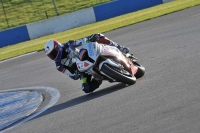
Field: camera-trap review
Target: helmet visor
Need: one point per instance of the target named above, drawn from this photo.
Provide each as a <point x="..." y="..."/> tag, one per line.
<point x="53" y="54"/>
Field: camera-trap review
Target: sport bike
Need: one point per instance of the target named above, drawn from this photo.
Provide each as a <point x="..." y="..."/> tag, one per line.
<point x="106" y="62"/>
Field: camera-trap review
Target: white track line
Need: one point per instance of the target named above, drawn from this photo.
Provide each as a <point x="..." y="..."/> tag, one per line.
<point x="17" y="57"/>
<point x="55" y="95"/>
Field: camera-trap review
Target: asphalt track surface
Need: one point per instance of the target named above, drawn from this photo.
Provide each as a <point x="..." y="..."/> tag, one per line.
<point x="165" y="100"/>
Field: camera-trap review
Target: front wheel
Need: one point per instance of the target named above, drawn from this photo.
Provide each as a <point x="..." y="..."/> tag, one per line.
<point x="141" y="70"/>
<point x="117" y="75"/>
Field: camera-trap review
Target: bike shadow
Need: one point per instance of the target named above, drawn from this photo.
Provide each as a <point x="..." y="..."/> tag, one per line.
<point x="82" y="99"/>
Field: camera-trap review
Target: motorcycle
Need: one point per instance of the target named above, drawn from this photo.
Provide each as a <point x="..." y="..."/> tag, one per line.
<point x="106" y="62"/>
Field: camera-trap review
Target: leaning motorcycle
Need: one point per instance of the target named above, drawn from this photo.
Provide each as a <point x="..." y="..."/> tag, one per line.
<point x="106" y="62"/>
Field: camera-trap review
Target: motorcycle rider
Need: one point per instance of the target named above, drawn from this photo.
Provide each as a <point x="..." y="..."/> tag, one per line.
<point x="62" y="55"/>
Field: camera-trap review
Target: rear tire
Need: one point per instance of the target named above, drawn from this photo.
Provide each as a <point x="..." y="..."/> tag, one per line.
<point x="119" y="77"/>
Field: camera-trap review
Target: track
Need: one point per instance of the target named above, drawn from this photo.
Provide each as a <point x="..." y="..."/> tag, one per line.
<point x="165" y="100"/>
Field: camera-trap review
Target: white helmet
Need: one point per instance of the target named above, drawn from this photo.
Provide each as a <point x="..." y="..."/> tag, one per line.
<point x="51" y="49"/>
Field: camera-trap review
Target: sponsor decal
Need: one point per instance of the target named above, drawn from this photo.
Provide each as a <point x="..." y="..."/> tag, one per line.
<point x="105" y="51"/>
<point x="82" y="65"/>
<point x="79" y="65"/>
<point x="85" y="64"/>
<point x="90" y="50"/>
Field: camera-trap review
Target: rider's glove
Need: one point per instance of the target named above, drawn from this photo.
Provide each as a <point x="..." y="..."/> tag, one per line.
<point x="77" y="74"/>
<point x="93" y="37"/>
<point x="70" y="42"/>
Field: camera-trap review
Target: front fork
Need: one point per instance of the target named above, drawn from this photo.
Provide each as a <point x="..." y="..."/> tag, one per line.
<point x="131" y="57"/>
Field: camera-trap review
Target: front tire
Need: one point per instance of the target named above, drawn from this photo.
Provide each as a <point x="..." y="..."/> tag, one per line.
<point x="141" y="70"/>
<point x="108" y="70"/>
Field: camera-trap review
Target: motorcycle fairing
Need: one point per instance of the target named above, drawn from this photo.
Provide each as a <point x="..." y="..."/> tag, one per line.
<point x="95" y="51"/>
<point x="83" y="65"/>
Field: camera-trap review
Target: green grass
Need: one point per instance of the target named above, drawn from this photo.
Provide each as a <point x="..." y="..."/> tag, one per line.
<point x="19" y="12"/>
<point x="104" y="26"/>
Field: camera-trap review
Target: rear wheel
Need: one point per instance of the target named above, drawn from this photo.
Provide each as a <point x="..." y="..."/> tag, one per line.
<point x="118" y="74"/>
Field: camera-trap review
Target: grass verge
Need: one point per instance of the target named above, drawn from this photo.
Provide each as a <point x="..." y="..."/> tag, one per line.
<point x="20" y="12"/>
<point x="103" y="26"/>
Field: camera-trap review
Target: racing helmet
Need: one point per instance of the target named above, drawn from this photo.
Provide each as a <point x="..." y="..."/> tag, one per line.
<point x="51" y="49"/>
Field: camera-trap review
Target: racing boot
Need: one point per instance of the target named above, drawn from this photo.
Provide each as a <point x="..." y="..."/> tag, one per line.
<point x="89" y="85"/>
<point x="123" y="49"/>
